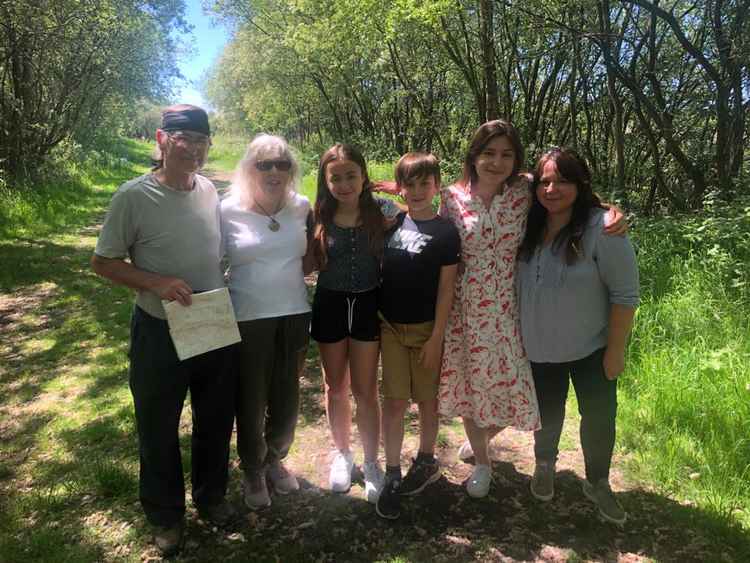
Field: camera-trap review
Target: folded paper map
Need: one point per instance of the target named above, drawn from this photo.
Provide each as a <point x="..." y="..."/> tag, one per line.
<point x="207" y="324"/>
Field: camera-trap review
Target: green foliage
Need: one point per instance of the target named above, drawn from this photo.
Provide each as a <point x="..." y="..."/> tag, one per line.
<point x="718" y="237"/>
<point x="78" y="69"/>
<point x="660" y="112"/>
<point x="142" y="120"/>
<point x="685" y="410"/>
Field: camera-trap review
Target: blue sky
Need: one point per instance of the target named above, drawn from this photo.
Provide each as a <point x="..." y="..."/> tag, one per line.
<point x="206" y="43"/>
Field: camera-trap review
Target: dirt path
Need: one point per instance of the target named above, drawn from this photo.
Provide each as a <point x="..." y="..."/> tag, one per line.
<point x="441" y="524"/>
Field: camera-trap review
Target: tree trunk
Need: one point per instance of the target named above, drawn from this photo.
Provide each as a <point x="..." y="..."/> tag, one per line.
<point x="486" y="8"/>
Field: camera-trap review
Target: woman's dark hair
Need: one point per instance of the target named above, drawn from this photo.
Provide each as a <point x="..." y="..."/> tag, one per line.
<point x="370" y="214"/>
<point x="481" y="138"/>
<point x="573" y="168"/>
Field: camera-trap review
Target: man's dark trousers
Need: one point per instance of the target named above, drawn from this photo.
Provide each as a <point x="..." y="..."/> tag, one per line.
<point x="159" y="382"/>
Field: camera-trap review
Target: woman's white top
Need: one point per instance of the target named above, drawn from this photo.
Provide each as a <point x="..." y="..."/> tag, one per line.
<point x="265" y="266"/>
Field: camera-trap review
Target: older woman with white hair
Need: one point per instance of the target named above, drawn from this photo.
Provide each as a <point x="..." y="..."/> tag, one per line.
<point x="265" y="230"/>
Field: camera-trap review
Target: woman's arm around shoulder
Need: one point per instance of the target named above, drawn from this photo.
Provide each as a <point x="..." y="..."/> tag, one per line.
<point x="615" y="222"/>
<point x="390" y="210"/>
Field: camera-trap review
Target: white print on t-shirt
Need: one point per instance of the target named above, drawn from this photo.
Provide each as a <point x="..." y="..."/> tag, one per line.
<point x="411" y="241"/>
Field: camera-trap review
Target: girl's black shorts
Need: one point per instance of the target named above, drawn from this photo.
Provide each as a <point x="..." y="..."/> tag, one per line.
<point x="340" y="314"/>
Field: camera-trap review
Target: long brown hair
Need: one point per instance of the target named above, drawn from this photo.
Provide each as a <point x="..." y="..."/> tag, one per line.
<point x="572" y="168"/>
<point x="481" y="138"/>
<point x="370" y="215"/>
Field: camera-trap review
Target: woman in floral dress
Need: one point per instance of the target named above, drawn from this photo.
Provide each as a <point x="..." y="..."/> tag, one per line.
<point x="485" y="376"/>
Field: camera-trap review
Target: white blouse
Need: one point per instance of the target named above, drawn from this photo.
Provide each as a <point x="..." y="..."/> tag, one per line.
<point x="265" y="266"/>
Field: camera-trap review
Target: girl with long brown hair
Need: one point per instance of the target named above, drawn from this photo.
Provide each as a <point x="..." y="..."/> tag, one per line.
<point x="348" y="246"/>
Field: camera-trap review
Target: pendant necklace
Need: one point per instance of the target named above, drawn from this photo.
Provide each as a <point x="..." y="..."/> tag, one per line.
<point x="273" y="224"/>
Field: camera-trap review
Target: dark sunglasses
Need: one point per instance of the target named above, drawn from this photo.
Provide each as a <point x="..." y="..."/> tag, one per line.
<point x="266" y="165"/>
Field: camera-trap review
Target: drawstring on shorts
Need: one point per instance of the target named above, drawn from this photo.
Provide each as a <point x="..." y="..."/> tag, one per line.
<point x="350" y="311"/>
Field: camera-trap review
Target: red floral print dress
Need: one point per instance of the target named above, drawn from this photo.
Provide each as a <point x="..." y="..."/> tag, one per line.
<point x="485" y="374"/>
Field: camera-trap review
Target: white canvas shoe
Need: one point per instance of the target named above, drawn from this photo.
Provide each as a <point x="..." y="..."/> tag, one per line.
<point x="478" y="484"/>
<point x="340" y="477"/>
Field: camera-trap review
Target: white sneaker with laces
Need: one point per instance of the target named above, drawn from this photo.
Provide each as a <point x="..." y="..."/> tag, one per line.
<point x="478" y="484"/>
<point x="373" y="480"/>
<point x="340" y="477"/>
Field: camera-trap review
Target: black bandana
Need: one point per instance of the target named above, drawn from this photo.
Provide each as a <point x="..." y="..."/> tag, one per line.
<point x="191" y="119"/>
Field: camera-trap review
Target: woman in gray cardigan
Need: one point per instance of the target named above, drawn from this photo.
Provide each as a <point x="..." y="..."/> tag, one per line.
<point x="577" y="294"/>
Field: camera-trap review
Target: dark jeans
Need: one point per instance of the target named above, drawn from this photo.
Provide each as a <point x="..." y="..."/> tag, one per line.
<point x="271" y="358"/>
<point x="159" y="382"/>
<point x="597" y="404"/>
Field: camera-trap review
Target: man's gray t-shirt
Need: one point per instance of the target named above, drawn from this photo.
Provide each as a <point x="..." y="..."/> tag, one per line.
<point x="167" y="232"/>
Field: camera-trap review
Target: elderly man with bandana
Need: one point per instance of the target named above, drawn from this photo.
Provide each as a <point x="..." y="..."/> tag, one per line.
<point x="167" y="224"/>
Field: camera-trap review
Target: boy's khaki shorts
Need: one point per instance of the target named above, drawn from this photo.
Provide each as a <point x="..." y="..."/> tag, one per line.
<point x="404" y="377"/>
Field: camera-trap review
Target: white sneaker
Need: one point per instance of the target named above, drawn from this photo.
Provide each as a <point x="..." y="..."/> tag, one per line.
<point x="465" y="451"/>
<point x="478" y="484"/>
<point x="340" y="478"/>
<point x="373" y="480"/>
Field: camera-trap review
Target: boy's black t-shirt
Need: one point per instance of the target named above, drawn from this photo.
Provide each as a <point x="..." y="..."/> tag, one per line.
<point x="415" y="251"/>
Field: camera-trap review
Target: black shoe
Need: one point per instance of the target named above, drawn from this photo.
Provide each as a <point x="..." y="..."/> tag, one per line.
<point x="389" y="501"/>
<point x="169" y="538"/>
<point x="221" y="514"/>
<point x="420" y="475"/>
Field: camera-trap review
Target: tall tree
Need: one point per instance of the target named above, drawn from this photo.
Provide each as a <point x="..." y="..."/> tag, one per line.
<point x="63" y="61"/>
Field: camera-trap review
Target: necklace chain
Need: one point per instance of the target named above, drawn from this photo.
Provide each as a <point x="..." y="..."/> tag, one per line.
<point x="273" y="224"/>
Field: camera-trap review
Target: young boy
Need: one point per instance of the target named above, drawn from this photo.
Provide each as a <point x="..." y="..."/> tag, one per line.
<point x="421" y="258"/>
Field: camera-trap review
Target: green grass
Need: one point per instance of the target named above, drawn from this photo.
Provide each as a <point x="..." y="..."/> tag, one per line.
<point x="63" y="379"/>
<point x="226" y="152"/>
<point x="71" y="197"/>
<point x="685" y="398"/>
